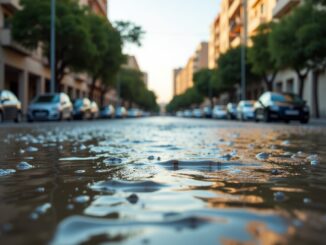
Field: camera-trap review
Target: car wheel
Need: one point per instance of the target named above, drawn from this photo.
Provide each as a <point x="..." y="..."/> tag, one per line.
<point x="19" y="117"/>
<point x="266" y="116"/>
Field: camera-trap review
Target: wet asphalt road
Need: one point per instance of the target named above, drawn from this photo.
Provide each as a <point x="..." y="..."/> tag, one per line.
<point x="162" y="181"/>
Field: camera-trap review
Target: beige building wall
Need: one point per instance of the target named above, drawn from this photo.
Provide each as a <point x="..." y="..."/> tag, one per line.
<point x="183" y="77"/>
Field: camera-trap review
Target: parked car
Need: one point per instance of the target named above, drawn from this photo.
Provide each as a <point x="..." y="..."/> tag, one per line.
<point x="231" y="109"/>
<point x="120" y="112"/>
<point x="273" y="106"/>
<point x="95" y="112"/>
<point x="208" y="112"/>
<point x="133" y="113"/>
<point x="245" y="110"/>
<point x="187" y="113"/>
<point x="82" y="109"/>
<point x="107" y="111"/>
<point x="55" y="106"/>
<point x="197" y="113"/>
<point x="179" y="114"/>
<point x="10" y="107"/>
<point x="219" y="112"/>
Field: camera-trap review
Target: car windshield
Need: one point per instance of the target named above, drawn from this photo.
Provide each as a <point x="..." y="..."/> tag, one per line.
<point x="248" y="104"/>
<point x="292" y="98"/>
<point x="47" y="99"/>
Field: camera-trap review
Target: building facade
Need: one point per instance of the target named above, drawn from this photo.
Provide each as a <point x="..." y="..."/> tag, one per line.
<point x="26" y="73"/>
<point x="183" y="77"/>
<point x="227" y="32"/>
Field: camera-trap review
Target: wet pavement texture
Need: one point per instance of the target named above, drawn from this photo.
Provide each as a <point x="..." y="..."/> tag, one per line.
<point x="162" y="181"/>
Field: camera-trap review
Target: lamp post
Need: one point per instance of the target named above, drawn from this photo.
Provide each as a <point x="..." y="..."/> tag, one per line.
<point x="53" y="46"/>
<point x="243" y="49"/>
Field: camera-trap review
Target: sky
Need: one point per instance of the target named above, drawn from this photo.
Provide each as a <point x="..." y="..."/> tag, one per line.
<point x="174" y="28"/>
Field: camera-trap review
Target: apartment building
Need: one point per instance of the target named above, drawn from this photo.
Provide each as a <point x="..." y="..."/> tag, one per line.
<point x="227" y="30"/>
<point x="132" y="63"/>
<point x="183" y="77"/>
<point x="26" y="72"/>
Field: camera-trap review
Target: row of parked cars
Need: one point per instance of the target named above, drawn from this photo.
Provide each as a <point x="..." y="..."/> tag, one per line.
<point x="58" y="106"/>
<point x="271" y="106"/>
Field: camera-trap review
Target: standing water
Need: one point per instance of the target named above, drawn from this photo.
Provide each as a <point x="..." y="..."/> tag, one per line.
<point x="162" y="181"/>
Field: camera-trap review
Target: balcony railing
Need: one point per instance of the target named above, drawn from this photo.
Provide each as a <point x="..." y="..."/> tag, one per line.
<point x="11" y="4"/>
<point x="282" y="7"/>
<point x="6" y="40"/>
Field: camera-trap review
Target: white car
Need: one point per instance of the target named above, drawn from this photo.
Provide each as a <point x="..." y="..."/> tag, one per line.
<point x="94" y="110"/>
<point x="56" y="106"/>
<point x="120" y="112"/>
<point x="197" y="113"/>
<point x="187" y="113"/>
<point x="246" y="110"/>
<point x="107" y="111"/>
<point x="219" y="112"/>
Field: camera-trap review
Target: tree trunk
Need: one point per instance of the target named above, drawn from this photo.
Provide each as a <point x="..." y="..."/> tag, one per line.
<point x="92" y="90"/>
<point x="315" y="93"/>
<point x="301" y="78"/>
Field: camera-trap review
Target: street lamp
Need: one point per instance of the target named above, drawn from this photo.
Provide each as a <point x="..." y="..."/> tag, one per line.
<point x="243" y="49"/>
<point x="53" y="46"/>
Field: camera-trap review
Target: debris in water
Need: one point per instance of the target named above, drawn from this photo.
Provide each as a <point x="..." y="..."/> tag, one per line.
<point x="262" y="156"/>
<point x="133" y="198"/>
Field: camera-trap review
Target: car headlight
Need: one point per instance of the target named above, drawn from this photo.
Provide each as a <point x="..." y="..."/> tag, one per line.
<point x="274" y="108"/>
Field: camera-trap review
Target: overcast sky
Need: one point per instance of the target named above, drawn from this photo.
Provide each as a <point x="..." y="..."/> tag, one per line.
<point x="173" y="28"/>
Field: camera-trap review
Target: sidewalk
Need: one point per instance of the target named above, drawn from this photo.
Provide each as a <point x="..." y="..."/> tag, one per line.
<point x="318" y="121"/>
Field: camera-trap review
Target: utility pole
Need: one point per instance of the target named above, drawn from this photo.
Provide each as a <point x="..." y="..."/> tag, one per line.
<point x="53" y="45"/>
<point x="243" y="49"/>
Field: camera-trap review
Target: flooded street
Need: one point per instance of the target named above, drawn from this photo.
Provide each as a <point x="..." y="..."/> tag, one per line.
<point x="162" y="181"/>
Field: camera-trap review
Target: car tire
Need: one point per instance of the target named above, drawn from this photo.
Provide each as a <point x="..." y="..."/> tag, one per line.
<point x="266" y="116"/>
<point x="19" y="117"/>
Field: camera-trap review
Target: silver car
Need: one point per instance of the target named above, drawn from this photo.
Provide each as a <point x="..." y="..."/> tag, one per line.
<point x="245" y="110"/>
<point x="56" y="106"/>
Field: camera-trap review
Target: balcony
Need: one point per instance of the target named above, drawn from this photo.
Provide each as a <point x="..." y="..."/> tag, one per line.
<point x="282" y="7"/>
<point x="12" y="5"/>
<point x="235" y="42"/>
<point x="234" y="7"/>
<point x="6" y="40"/>
<point x="235" y="26"/>
<point x="255" y="23"/>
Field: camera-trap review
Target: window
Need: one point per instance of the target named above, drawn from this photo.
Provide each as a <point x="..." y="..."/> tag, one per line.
<point x="290" y="86"/>
<point x="262" y="8"/>
<point x="279" y="87"/>
<point x="6" y="21"/>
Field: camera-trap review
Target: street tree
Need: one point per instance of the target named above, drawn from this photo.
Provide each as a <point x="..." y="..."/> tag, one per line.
<point x="259" y="56"/>
<point x="130" y="32"/>
<point x="205" y="84"/>
<point x="31" y="27"/>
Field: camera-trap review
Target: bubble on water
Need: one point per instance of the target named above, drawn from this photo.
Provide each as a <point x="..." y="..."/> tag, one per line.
<point x="225" y="157"/>
<point x="275" y="172"/>
<point x="82" y="199"/>
<point x="306" y="200"/>
<point x="70" y="206"/>
<point x="80" y="171"/>
<point x="42" y="209"/>
<point x="279" y="196"/>
<point x="5" y="172"/>
<point x="312" y="157"/>
<point x="31" y="149"/>
<point x="150" y="158"/>
<point x="286" y="142"/>
<point x="262" y="156"/>
<point x="133" y="198"/>
<point x="40" y="189"/>
<point x="314" y="162"/>
<point x="24" y="166"/>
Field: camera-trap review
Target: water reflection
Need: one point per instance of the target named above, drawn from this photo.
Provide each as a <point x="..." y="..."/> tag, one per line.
<point x="160" y="181"/>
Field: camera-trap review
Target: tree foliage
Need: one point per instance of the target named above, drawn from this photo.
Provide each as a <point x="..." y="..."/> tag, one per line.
<point x="189" y="98"/>
<point x="31" y="26"/>
<point x="133" y="89"/>
<point x="259" y="56"/>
